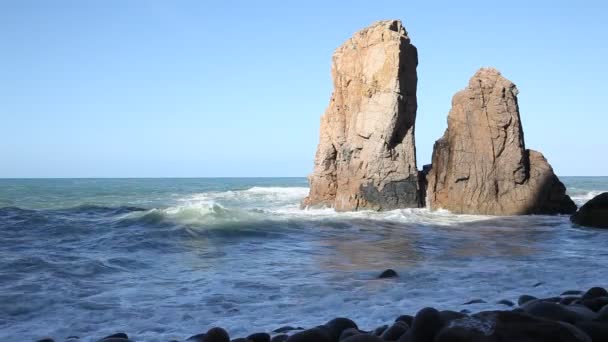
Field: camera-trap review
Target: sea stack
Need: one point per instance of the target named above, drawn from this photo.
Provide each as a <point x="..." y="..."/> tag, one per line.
<point x="366" y="158"/>
<point x="481" y="164"/>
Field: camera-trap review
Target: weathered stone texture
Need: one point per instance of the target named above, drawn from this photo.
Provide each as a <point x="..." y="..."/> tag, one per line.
<point x="366" y="158"/>
<point x="481" y="165"/>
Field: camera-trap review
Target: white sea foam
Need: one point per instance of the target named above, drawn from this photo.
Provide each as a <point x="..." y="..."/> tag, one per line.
<point x="283" y="203"/>
<point x="581" y="197"/>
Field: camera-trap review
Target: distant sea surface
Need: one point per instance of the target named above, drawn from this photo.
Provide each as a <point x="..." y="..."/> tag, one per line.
<point x="168" y="258"/>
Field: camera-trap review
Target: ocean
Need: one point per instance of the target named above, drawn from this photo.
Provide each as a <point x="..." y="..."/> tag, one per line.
<point x="165" y="259"/>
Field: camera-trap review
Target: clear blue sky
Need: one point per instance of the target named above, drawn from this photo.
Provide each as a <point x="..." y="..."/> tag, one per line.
<point x="236" y="88"/>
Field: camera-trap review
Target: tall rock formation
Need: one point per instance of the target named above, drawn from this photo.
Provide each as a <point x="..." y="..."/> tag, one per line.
<point x="481" y="165"/>
<point x="366" y="158"/>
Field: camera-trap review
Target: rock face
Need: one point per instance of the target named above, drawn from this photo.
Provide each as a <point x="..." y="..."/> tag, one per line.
<point x="593" y="213"/>
<point x="481" y="165"/>
<point x="366" y="158"/>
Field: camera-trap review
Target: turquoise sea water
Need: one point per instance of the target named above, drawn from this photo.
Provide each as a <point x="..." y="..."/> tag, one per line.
<point x="168" y="258"/>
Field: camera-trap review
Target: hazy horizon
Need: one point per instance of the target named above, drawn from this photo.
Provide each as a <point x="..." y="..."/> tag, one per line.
<point x="195" y="90"/>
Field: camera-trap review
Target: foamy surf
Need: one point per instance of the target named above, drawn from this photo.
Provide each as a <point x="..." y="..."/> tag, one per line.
<point x="283" y="203"/>
<point x="581" y="197"/>
<point x="195" y="253"/>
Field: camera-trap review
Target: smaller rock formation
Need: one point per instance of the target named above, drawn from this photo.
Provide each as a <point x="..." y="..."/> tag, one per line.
<point x="593" y="213"/>
<point x="366" y="158"/>
<point x="481" y="165"/>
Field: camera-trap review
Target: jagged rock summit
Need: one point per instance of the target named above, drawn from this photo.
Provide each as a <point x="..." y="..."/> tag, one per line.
<point x="481" y="164"/>
<point x="366" y="158"/>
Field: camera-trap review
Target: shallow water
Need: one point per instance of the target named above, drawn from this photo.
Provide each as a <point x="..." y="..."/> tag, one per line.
<point x="168" y="258"/>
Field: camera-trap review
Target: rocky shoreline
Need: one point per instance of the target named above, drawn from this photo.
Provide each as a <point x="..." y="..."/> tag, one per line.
<point x="572" y="316"/>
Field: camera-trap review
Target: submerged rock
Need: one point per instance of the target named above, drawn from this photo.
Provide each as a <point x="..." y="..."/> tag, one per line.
<point x="389" y="273"/>
<point x="366" y="158"/>
<point x="593" y="213"/>
<point x="481" y="164"/>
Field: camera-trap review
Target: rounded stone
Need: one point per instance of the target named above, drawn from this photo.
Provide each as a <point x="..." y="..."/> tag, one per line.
<point x="259" y="337"/>
<point x="337" y="325"/>
<point x="389" y="273"/>
<point x="593" y="213"/>
<point x="317" y="334"/>
<point x="595" y="292"/>
<point x="363" y="338"/>
<point x="279" y="338"/>
<point x="524" y="299"/>
<point x="405" y="318"/>
<point x="395" y="331"/>
<point x="346" y="333"/>
<point x="216" y="335"/>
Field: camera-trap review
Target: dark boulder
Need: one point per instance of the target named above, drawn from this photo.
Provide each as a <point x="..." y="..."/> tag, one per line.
<point x="595" y="292"/>
<point x="216" y="335"/>
<point x="552" y="299"/>
<point x="584" y="313"/>
<point x="569" y="300"/>
<point x="524" y="299"/>
<point x="259" y="337"/>
<point x="572" y="293"/>
<point x="602" y="315"/>
<point x="115" y="337"/>
<point x="337" y="325"/>
<point x="363" y="338"/>
<point x="448" y="315"/>
<point x="379" y="330"/>
<point x="597" y="331"/>
<point x="346" y="333"/>
<point x="595" y="304"/>
<point x="508" y="326"/>
<point x="505" y="302"/>
<point x="459" y="334"/>
<point x="388" y="274"/>
<point x="395" y="331"/>
<point x="551" y="311"/>
<point x="279" y="338"/>
<point x="317" y="334"/>
<point x="425" y="326"/>
<point x="406" y="319"/>
<point x="286" y="328"/>
<point x="593" y="213"/>
<point x="196" y="338"/>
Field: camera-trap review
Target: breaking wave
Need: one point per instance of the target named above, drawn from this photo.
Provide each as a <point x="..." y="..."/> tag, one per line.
<point x="580" y="197"/>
